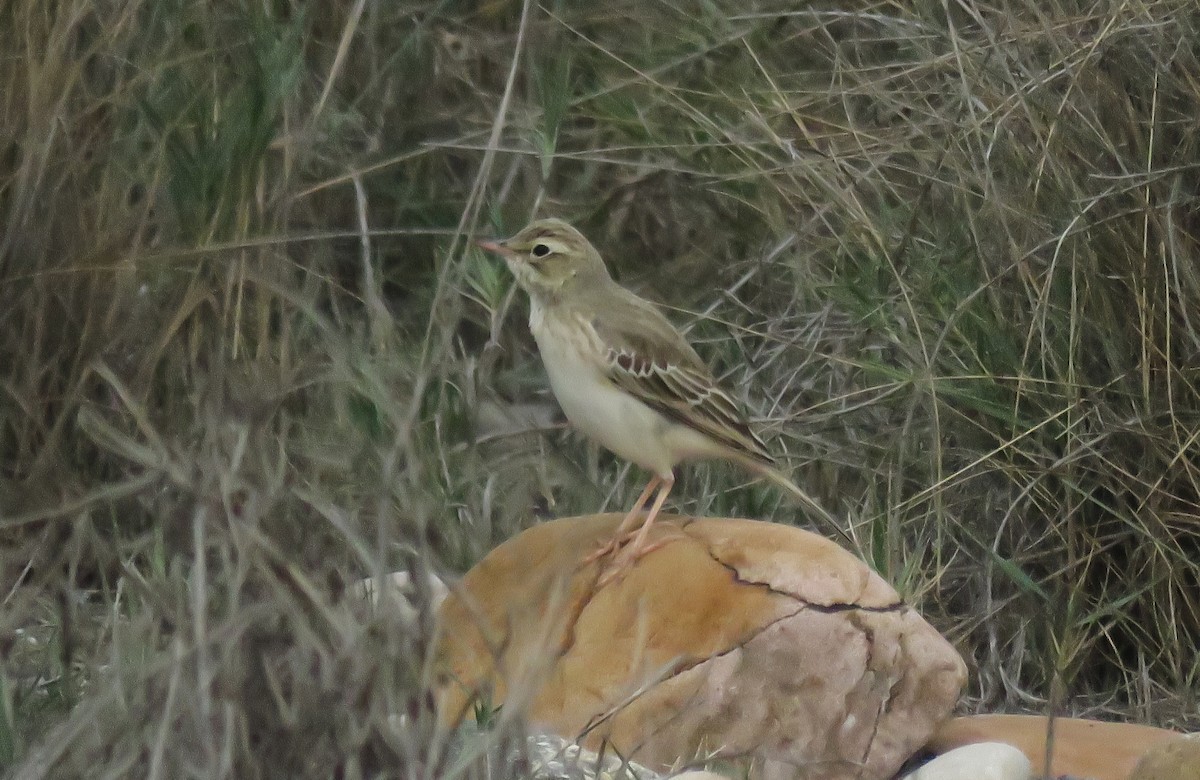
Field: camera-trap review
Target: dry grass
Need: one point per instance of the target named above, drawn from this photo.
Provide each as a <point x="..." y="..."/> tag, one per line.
<point x="247" y="357"/>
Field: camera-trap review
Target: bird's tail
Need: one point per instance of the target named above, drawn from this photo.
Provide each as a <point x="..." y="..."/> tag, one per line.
<point x="798" y="493"/>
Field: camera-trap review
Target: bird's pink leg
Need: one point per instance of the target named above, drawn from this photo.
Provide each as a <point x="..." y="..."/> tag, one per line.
<point x="638" y="547"/>
<point x="626" y="526"/>
<point x="634" y="550"/>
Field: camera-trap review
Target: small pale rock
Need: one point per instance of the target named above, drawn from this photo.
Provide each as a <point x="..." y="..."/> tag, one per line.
<point x="736" y="638"/>
<point x="1175" y="759"/>
<point x="1081" y="748"/>
<point x="553" y="758"/>
<point x="981" y="761"/>
<point x="400" y="586"/>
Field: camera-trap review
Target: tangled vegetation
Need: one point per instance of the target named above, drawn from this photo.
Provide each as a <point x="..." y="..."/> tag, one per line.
<point x="249" y="356"/>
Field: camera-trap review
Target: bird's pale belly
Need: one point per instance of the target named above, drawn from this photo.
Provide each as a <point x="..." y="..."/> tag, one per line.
<point x="613" y="418"/>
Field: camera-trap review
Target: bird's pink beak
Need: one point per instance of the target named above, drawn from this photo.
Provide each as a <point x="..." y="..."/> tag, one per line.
<point x="496" y="247"/>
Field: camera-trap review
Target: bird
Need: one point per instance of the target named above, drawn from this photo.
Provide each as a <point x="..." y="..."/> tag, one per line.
<point x="625" y="377"/>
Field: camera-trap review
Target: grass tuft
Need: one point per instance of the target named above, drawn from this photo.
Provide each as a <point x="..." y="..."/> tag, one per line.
<point x="947" y="253"/>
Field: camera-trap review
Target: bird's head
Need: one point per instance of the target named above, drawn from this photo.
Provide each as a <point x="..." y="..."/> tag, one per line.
<point x="549" y="256"/>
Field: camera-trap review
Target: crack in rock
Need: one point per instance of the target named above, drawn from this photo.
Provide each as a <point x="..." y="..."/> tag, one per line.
<point x="824" y="608"/>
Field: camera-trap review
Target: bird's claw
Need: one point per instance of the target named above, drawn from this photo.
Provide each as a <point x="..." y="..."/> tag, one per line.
<point x="627" y="557"/>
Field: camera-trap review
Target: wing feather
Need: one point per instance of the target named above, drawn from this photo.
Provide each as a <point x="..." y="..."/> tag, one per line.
<point x="649" y="359"/>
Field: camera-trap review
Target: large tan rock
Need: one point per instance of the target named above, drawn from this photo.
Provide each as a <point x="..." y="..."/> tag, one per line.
<point x="736" y="638"/>
<point x="1080" y="748"/>
<point x="1173" y="759"/>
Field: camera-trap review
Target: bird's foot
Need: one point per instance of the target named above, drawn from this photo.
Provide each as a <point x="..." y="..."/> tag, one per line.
<point x="613" y="545"/>
<point x="630" y="555"/>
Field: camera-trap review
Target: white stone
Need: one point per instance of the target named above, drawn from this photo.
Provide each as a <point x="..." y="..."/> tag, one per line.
<point x="399" y="585"/>
<point x="981" y="761"/>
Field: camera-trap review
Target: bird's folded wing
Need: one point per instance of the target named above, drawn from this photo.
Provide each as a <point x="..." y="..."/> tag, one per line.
<point x="646" y="357"/>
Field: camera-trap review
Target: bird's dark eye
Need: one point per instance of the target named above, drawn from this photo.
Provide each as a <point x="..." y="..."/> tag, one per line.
<point x="540" y="250"/>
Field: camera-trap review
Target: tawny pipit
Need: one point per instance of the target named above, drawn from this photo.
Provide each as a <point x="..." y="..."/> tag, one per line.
<point x="623" y="375"/>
